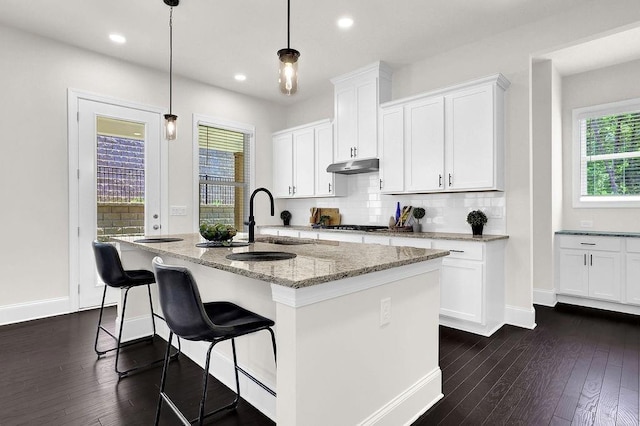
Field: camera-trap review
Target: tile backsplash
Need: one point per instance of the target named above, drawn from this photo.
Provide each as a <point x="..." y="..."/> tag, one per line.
<point x="364" y="205"/>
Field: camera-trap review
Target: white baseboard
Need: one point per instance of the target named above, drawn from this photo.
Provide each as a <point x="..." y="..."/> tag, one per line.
<point x="221" y="367"/>
<point x="544" y="297"/>
<point x="405" y="408"/>
<point x="21" y="312"/>
<point x="520" y="317"/>
<point x="599" y="304"/>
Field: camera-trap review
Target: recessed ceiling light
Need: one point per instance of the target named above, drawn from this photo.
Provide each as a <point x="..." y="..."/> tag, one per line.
<point x="240" y="77"/>
<point x="345" y="22"/>
<point x="137" y="134"/>
<point x="117" y="38"/>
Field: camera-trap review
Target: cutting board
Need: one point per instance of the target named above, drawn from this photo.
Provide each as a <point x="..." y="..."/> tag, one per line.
<point x="334" y="215"/>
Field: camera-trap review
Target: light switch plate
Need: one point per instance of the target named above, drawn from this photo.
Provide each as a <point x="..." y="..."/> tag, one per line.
<point x="178" y="211"/>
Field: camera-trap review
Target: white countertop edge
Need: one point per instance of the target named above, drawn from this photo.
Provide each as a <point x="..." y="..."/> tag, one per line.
<point x="299" y="297"/>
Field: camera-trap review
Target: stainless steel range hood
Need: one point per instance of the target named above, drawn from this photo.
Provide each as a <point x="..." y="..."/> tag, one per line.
<point x="353" y="167"/>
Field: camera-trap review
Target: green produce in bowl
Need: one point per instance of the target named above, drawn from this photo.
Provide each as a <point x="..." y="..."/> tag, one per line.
<point x="218" y="232"/>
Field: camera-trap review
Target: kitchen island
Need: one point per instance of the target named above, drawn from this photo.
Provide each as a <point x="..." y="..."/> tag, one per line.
<point x="356" y="325"/>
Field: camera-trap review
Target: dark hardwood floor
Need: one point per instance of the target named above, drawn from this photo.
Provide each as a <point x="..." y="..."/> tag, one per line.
<point x="579" y="366"/>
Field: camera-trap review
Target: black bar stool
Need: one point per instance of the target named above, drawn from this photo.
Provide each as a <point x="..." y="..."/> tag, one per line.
<point x="113" y="274"/>
<point x="213" y="322"/>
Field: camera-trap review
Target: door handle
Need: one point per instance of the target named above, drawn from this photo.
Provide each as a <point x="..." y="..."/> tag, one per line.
<point x="380" y="183"/>
<point x="355" y="151"/>
<point x="329" y="187"/>
<point x="439" y="181"/>
<point x="585" y="259"/>
<point x="590" y="260"/>
<point x="351" y="152"/>
<point x="156" y="227"/>
<point x="449" y="179"/>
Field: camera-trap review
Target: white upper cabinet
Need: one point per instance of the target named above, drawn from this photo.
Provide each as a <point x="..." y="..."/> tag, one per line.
<point x="283" y="165"/>
<point x="327" y="184"/>
<point x="392" y="150"/>
<point x="473" y="158"/>
<point x="303" y="162"/>
<point x="357" y="97"/>
<point x="424" y="151"/>
<point x="453" y="139"/>
<point x="300" y="159"/>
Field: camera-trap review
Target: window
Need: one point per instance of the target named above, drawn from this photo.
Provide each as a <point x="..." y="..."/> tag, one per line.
<point x="223" y="175"/>
<point x="607" y="138"/>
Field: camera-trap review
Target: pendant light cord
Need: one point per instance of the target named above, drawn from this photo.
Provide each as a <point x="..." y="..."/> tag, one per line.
<point x="288" y="23"/>
<point x="170" y="58"/>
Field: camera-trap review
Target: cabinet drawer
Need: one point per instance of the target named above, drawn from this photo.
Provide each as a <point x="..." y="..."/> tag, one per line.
<point x="590" y="243"/>
<point x="376" y="239"/>
<point x="461" y="249"/>
<point x="309" y="234"/>
<point x="633" y="245"/>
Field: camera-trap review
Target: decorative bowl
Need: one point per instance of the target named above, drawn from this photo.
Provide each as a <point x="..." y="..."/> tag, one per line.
<point x="218" y="232"/>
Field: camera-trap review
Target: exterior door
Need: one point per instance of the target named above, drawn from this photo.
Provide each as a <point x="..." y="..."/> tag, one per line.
<point x="118" y="183"/>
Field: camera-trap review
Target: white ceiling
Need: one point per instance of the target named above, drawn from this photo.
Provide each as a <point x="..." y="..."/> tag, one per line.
<point x="213" y="40"/>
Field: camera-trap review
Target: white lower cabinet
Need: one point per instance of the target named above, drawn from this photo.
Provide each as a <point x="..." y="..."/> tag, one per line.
<point x="462" y="291"/>
<point x="632" y="272"/>
<point x="589" y="267"/>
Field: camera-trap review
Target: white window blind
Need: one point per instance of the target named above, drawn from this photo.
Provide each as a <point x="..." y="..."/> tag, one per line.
<point x="609" y="160"/>
<point x="223" y="157"/>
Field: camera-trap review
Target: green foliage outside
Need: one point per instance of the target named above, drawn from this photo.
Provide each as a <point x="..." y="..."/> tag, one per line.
<point x="611" y="135"/>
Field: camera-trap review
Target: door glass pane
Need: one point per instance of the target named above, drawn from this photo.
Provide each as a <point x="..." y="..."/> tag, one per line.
<point x="120" y="177"/>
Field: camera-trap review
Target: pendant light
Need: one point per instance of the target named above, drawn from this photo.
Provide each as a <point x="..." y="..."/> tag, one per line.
<point x="170" y="120"/>
<point x="288" y="62"/>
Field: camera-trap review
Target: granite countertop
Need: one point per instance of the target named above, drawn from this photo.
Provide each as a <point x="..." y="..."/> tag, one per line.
<point x="425" y="235"/>
<point x="600" y="233"/>
<point x="317" y="261"/>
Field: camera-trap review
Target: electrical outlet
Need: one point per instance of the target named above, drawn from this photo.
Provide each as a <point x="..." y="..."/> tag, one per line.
<point x="385" y="311"/>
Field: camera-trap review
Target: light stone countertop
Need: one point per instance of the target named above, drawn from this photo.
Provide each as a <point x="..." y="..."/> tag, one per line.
<point x="424" y="235"/>
<point x="317" y="262"/>
<point x="600" y="233"/>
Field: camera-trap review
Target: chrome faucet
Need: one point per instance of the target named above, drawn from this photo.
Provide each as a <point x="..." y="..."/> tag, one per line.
<point x="252" y="222"/>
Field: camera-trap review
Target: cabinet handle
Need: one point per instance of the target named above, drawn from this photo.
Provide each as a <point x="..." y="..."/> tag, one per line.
<point x="449" y="179"/>
<point x="590" y="260"/>
<point x="456" y="251"/>
<point x="588" y="244"/>
<point x="351" y="152"/>
<point x="439" y="181"/>
<point x="585" y="259"/>
<point x="355" y="151"/>
<point x="294" y="190"/>
<point x="380" y="183"/>
<point x="329" y="187"/>
<point x="289" y="190"/>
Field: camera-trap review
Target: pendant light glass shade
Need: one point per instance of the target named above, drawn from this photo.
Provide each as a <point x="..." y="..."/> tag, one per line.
<point x="288" y="73"/>
<point x="171" y="120"/>
<point x="170" y="126"/>
<point x="288" y="70"/>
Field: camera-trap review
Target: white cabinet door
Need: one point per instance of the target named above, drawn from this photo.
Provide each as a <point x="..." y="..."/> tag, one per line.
<point x="367" y="119"/>
<point x="633" y="278"/>
<point x="303" y="163"/>
<point x="573" y="272"/>
<point x="470" y="144"/>
<point x="392" y="150"/>
<point x="325" y="182"/>
<point x="424" y="145"/>
<point x="604" y="275"/>
<point x="345" y="122"/>
<point x="283" y="165"/>
<point x="462" y="293"/>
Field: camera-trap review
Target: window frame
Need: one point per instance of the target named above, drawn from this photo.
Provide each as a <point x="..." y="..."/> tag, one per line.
<point x="579" y="114"/>
<point x="220" y="123"/>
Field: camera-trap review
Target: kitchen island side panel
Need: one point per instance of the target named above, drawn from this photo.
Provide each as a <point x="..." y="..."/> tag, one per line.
<point x="338" y="365"/>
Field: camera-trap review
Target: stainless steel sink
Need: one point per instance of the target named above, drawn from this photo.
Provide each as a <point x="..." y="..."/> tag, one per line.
<point x="261" y="256"/>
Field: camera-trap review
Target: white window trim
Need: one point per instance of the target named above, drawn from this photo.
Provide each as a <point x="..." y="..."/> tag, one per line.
<point x="220" y="123"/>
<point x="590" y="112"/>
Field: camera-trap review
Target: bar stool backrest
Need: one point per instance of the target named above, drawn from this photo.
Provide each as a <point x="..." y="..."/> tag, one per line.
<point x="181" y="303"/>
<point x="109" y="265"/>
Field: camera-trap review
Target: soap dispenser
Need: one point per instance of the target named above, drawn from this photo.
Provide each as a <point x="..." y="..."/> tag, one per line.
<point x="397" y="213"/>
